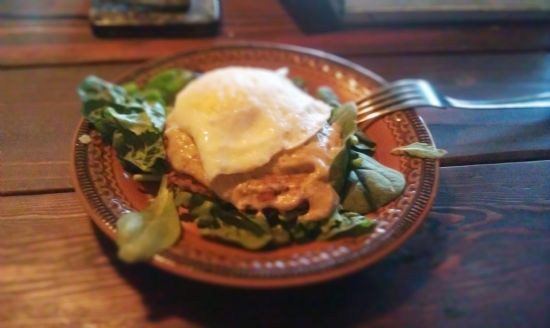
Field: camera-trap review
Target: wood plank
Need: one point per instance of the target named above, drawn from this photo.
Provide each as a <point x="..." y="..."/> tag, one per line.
<point x="470" y="137"/>
<point x="479" y="136"/>
<point x="35" y="147"/>
<point x="43" y="8"/>
<point x="71" y="40"/>
<point x="70" y="48"/>
<point x="32" y="177"/>
<point x="482" y="253"/>
<point x="25" y="42"/>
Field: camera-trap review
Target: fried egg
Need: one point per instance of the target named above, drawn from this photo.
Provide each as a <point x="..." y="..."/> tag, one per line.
<point x="241" y="117"/>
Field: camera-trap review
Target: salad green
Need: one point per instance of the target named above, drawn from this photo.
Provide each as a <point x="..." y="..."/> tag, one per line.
<point x="131" y="124"/>
<point x="140" y="235"/>
<point x="132" y="119"/>
<point x="419" y="150"/>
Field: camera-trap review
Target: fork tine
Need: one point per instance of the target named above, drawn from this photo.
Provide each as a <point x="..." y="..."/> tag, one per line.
<point x="390" y="101"/>
<point x="389" y="88"/>
<point x="389" y="94"/>
<point x="403" y="90"/>
<point x="410" y="104"/>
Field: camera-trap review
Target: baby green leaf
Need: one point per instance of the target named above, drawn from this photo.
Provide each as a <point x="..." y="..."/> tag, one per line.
<point x="345" y="224"/>
<point x="345" y="116"/>
<point x="420" y="150"/>
<point x="327" y="95"/>
<point x="339" y="170"/>
<point x="140" y="235"/>
<point x="378" y="183"/>
<point x="169" y="82"/>
<point x="234" y="235"/>
<point x="133" y="125"/>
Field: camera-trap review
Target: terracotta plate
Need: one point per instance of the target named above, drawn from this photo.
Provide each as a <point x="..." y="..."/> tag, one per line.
<point x="107" y="192"/>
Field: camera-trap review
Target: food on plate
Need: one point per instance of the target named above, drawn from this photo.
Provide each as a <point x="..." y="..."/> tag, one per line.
<point x="419" y="150"/>
<point x="255" y="140"/>
<point x="244" y="153"/>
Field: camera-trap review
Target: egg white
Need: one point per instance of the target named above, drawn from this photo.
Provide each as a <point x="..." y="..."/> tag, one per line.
<point x="240" y="117"/>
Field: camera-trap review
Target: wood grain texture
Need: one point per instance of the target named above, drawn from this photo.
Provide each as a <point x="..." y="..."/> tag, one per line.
<point x="43" y="8"/>
<point x="70" y="40"/>
<point x="57" y="32"/>
<point x="480" y="260"/>
<point x="469" y="136"/>
<point x="479" y="136"/>
<point x="36" y="143"/>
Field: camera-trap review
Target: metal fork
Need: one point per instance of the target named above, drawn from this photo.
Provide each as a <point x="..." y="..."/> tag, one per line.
<point x="413" y="93"/>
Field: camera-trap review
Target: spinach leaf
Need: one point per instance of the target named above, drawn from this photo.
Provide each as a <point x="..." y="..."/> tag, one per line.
<point x="356" y="197"/>
<point x="168" y="83"/>
<point x="140" y="235"/>
<point x="345" y="116"/>
<point x="420" y="150"/>
<point x="363" y="144"/>
<point x="303" y="232"/>
<point x="133" y="125"/>
<point x="327" y="95"/>
<point x="232" y="234"/>
<point x="250" y="233"/>
<point x="339" y="170"/>
<point x="298" y="82"/>
<point x="345" y="224"/>
<point x="372" y="185"/>
<point x="218" y="220"/>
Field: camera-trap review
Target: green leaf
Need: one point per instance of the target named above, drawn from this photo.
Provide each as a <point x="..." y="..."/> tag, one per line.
<point x="345" y="224"/>
<point x="233" y="227"/>
<point x="257" y="225"/>
<point x="131" y="88"/>
<point x="140" y="235"/>
<point x="304" y="232"/>
<point x="378" y="184"/>
<point x="345" y="116"/>
<point x="153" y="96"/>
<point x="327" y="95"/>
<point x="364" y="144"/>
<point x="356" y="197"/>
<point x="241" y="237"/>
<point x="420" y="150"/>
<point x="298" y="82"/>
<point x="169" y="82"/>
<point x="339" y="170"/>
<point x="133" y="125"/>
<point x="223" y="222"/>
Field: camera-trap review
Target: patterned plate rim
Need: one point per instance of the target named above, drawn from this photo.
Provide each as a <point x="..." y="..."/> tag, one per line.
<point x="383" y="246"/>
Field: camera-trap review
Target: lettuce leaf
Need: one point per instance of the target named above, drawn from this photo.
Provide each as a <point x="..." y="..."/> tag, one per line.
<point x="327" y="95"/>
<point x="419" y="150"/>
<point x="233" y="235"/>
<point x="371" y="185"/>
<point x="345" y="224"/>
<point x="345" y="116"/>
<point x="168" y="83"/>
<point x="221" y="221"/>
<point x="140" y="235"/>
<point x="133" y="125"/>
<point x="235" y="228"/>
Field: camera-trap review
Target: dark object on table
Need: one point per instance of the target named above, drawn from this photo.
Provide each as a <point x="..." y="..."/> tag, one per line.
<point x="342" y="14"/>
<point x="148" y="18"/>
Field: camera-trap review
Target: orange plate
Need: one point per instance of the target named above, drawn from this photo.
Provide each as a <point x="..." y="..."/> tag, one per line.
<point x="107" y="193"/>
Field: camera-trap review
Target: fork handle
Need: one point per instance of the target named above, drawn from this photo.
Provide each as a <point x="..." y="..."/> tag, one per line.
<point x="541" y="100"/>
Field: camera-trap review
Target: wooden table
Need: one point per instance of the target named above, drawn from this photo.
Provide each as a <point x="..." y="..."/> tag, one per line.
<point x="482" y="259"/>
